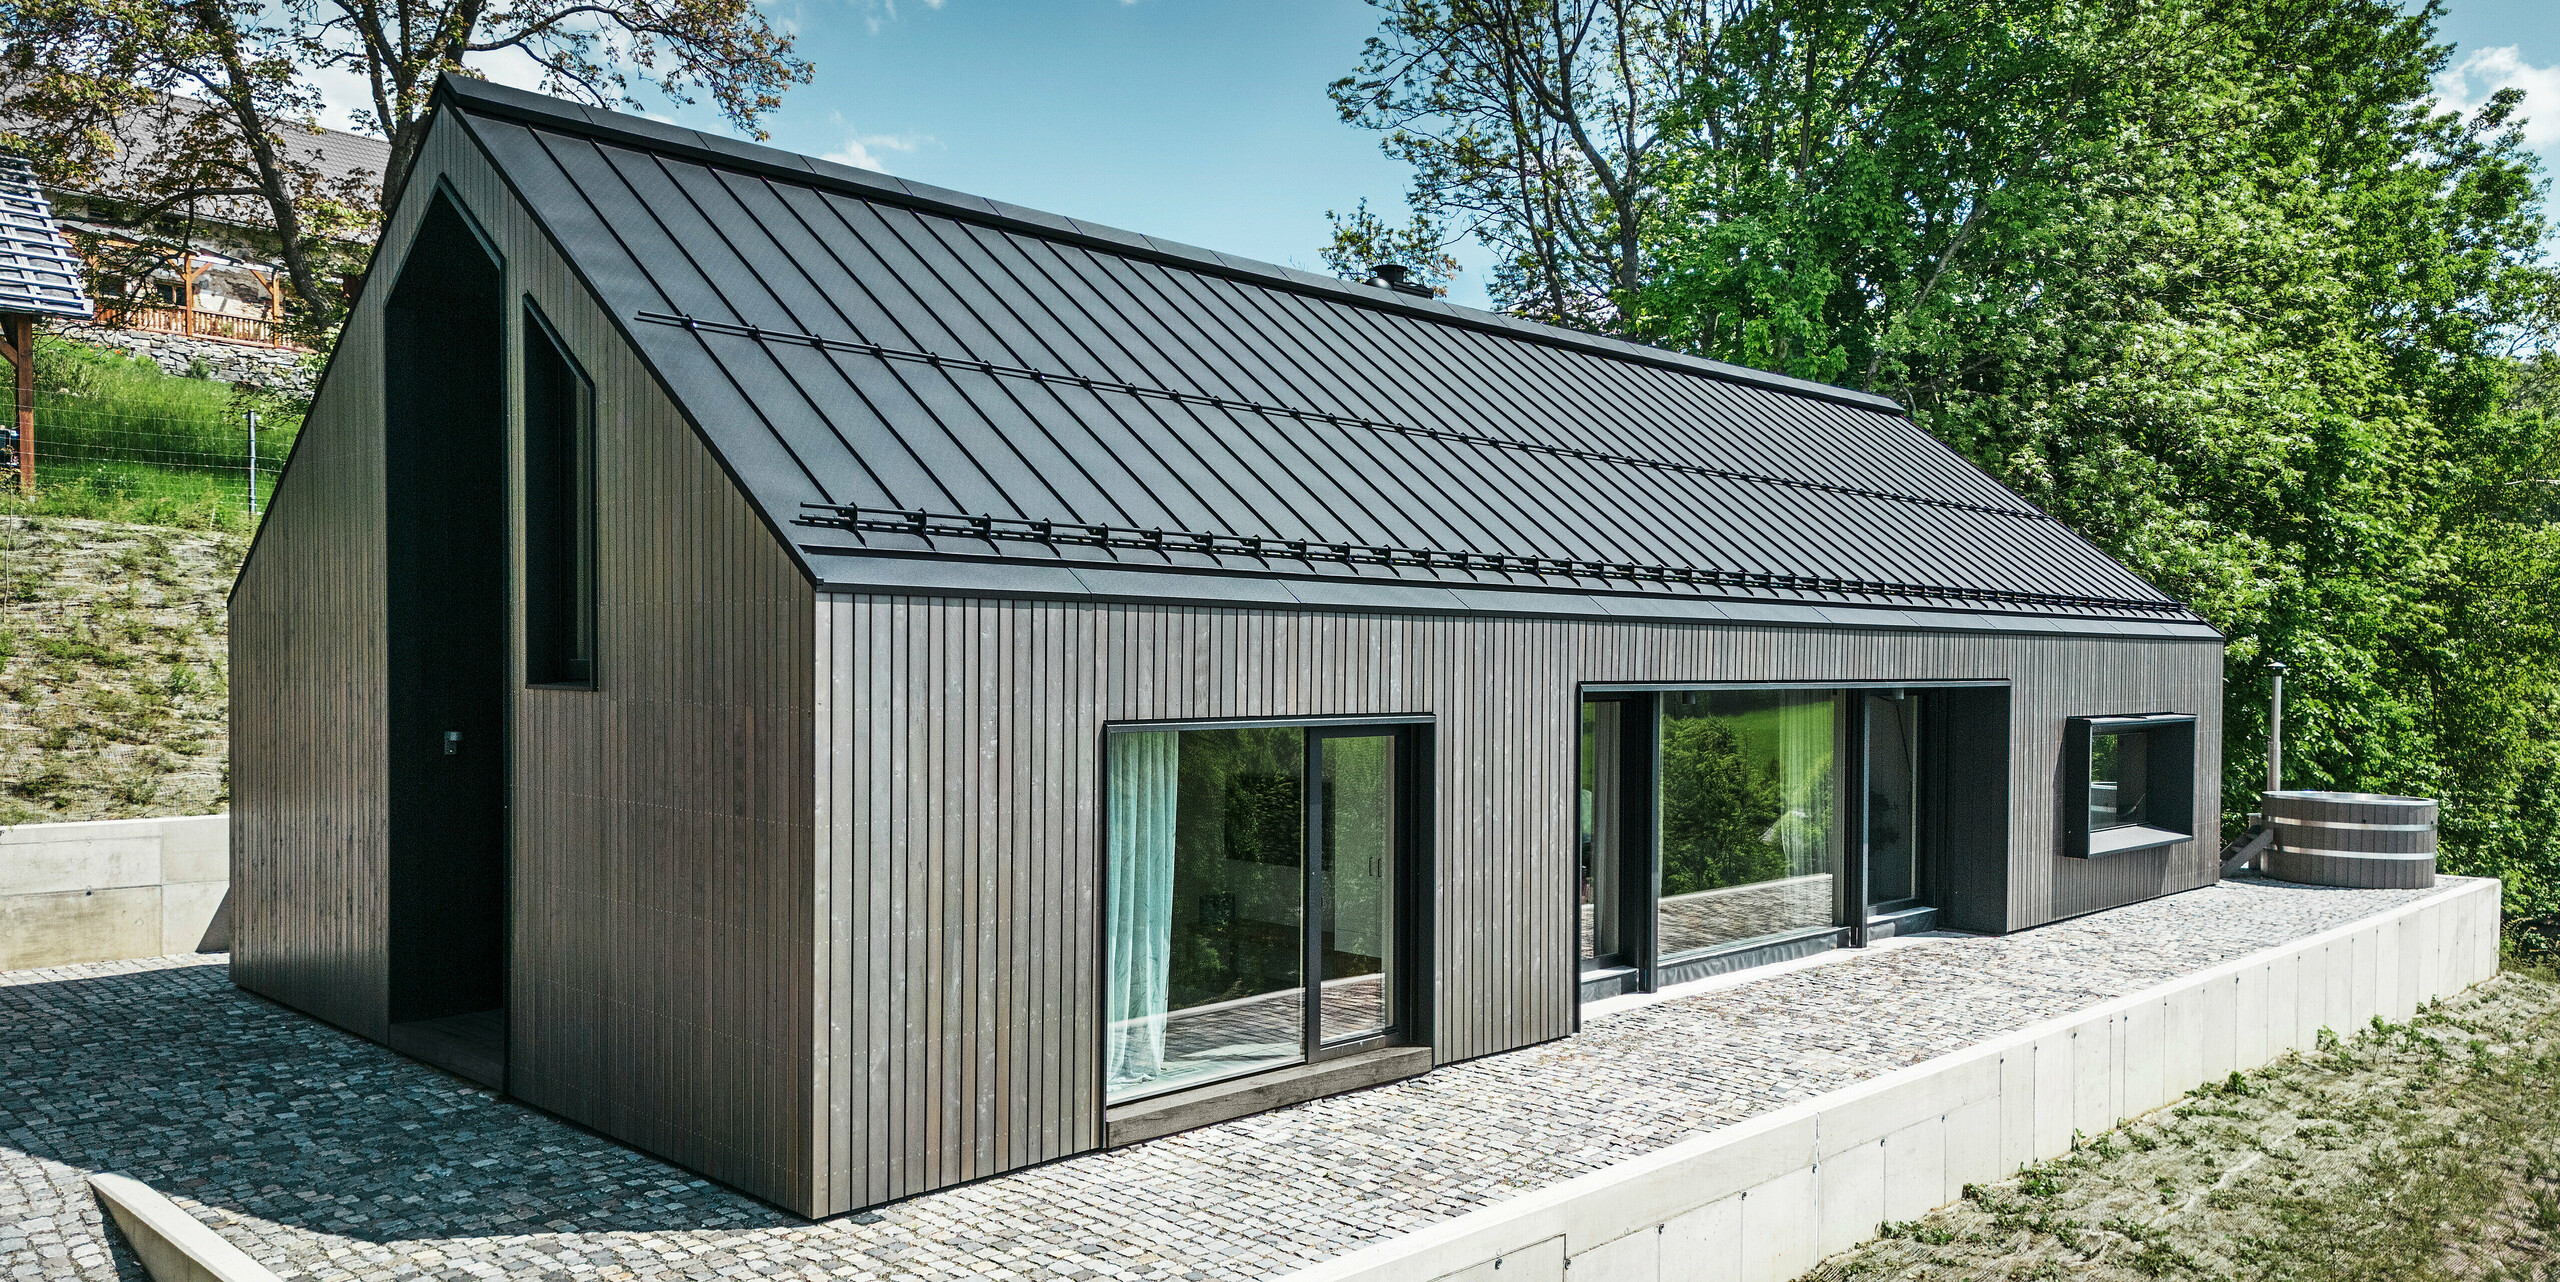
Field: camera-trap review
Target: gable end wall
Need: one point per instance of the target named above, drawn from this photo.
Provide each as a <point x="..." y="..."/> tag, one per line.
<point x="660" y="960"/>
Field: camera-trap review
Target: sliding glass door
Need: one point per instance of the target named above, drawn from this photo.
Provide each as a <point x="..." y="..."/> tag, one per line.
<point x="1251" y="916"/>
<point x="1354" y="885"/>
<point x="1894" y="877"/>
<point x="1751" y="848"/>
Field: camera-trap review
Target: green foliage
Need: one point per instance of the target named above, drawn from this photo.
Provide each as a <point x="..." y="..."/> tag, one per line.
<point x="2217" y="286"/>
<point x="118" y="439"/>
<point x="93" y="404"/>
<point x="1262" y="822"/>
<point x="1715" y="808"/>
<point x="1362" y="240"/>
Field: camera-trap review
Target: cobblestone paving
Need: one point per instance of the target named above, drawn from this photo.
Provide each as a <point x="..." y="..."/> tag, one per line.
<point x="328" y="1158"/>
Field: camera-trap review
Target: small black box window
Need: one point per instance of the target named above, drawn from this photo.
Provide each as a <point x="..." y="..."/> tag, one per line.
<point x="2128" y="783"/>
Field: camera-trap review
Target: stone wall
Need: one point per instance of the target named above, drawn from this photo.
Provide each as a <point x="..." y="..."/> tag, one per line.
<point x="280" y="368"/>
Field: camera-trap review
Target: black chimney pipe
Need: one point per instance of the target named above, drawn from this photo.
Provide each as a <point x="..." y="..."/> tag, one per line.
<point x="1394" y="276"/>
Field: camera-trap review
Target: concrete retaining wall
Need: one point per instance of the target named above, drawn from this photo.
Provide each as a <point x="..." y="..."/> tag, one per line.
<point x="113" y="889"/>
<point x="1765" y="1199"/>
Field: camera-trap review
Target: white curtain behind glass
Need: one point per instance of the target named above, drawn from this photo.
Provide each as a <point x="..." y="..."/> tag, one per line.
<point x="1144" y="771"/>
<point x="1804" y="781"/>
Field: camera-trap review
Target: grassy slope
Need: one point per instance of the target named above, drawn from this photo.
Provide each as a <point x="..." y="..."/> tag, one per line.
<point x="2422" y="1151"/>
<point x="112" y="668"/>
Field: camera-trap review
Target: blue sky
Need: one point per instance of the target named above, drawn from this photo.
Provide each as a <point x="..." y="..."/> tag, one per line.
<point x="1206" y="120"/>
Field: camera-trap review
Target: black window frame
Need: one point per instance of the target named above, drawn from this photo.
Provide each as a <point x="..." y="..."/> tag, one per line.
<point x="2169" y="773"/>
<point x="1414" y="921"/>
<point x="558" y="509"/>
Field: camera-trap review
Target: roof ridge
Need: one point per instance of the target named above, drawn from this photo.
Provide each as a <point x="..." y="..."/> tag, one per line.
<point x="505" y="101"/>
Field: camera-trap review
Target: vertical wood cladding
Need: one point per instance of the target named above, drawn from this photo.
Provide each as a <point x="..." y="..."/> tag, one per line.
<point x="660" y="961"/>
<point x="309" y="817"/>
<point x="959" y="815"/>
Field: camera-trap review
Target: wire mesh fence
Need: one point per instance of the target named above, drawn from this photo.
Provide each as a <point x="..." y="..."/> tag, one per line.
<point x="150" y="448"/>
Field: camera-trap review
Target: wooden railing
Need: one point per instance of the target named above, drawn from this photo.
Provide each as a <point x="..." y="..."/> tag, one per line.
<point x="195" y="323"/>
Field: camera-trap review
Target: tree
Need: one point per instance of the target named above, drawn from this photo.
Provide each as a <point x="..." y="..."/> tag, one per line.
<point x="1362" y="240"/>
<point x="2215" y="283"/>
<point x="1533" y="125"/>
<point x="165" y="103"/>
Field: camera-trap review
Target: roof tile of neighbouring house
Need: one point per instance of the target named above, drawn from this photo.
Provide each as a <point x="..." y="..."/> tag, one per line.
<point x="38" y="274"/>
<point x="339" y="158"/>
<point x="929" y="391"/>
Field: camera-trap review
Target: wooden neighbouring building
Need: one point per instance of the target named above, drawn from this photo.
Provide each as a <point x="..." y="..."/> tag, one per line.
<point x="854" y="688"/>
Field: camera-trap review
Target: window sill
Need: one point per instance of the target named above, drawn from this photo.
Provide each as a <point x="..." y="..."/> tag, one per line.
<point x="2130" y="838"/>
<point x="1602" y="982"/>
<point x="1181" y="1111"/>
<point x="1745" y="954"/>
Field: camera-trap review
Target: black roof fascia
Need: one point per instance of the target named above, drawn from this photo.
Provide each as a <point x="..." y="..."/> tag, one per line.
<point x="484" y="97"/>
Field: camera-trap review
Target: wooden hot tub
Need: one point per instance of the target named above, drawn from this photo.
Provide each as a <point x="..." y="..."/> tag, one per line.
<point x="2352" y="839"/>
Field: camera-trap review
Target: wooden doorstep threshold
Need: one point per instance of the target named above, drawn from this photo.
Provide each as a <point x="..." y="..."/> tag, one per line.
<point x="1224" y="1101"/>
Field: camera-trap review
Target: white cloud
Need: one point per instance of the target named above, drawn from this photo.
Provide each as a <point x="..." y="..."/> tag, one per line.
<point x="864" y="151"/>
<point x="2467" y="84"/>
<point x="880" y="13"/>
<point x="346" y="98"/>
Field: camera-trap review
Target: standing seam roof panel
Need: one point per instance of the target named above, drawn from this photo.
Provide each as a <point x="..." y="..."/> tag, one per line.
<point x="682" y="237"/>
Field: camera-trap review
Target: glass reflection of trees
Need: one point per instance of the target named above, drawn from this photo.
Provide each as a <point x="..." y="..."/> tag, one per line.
<point x="1748" y="801"/>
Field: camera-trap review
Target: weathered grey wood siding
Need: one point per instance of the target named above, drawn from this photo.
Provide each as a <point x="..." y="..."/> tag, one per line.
<point x="959" y="811"/>
<point x="309" y="806"/>
<point x="660" y="959"/>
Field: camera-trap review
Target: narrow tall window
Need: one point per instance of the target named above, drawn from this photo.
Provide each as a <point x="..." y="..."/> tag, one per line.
<point x="559" y="511"/>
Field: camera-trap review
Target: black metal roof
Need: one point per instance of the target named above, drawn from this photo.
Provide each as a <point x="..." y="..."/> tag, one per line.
<point x="927" y="391"/>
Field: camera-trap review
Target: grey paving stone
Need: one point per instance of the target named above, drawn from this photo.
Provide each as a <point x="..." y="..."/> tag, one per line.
<point x="331" y="1159"/>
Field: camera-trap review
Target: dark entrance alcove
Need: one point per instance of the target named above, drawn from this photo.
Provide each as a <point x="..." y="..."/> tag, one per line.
<point x="445" y="535"/>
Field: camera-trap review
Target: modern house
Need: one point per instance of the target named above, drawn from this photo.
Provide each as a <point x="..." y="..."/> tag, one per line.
<point x="854" y="688"/>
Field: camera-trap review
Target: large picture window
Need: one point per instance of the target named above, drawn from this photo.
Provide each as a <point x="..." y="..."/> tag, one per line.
<point x="1750" y="832"/>
<point x="1718" y="826"/>
<point x="1253" y="916"/>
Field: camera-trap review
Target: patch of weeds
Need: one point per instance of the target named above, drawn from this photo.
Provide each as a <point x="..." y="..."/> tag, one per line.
<point x="2061" y="1228"/>
<point x="2130" y="1230"/>
<point x="2159" y="1259"/>
<point x="136" y="789"/>
<point x="1925" y="1232"/>
<point x="48" y="780"/>
<point x="71" y="650"/>
<point x="2546" y="1210"/>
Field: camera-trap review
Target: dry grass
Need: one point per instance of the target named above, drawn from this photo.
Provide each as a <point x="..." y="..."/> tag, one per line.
<point x="2429" y="1150"/>
<point x="113" y="677"/>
